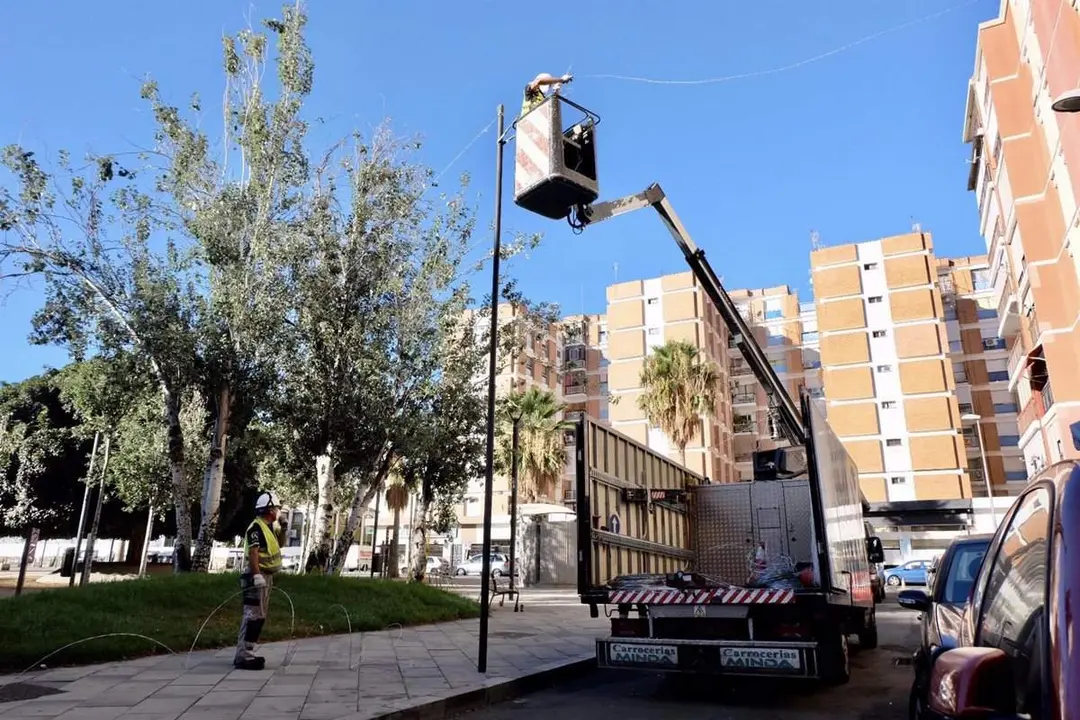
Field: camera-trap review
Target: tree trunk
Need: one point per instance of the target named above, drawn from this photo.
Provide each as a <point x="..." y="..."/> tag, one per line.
<point x="88" y="562"/>
<point x="181" y="502"/>
<point x="212" y="482"/>
<point x="319" y="552"/>
<point x="393" y="557"/>
<point x="136" y="545"/>
<point x="418" y="532"/>
<point x="361" y="499"/>
<point x="146" y="539"/>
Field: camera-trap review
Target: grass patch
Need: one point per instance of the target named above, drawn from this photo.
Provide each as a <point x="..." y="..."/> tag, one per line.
<point x="171" y="609"/>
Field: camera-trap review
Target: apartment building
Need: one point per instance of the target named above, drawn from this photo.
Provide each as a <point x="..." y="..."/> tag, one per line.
<point x="988" y="407"/>
<point x="1025" y="174"/>
<point x="531" y="354"/>
<point x="887" y="375"/>
<point x="776" y="320"/>
<point x="584" y="382"/>
<point x="643" y="314"/>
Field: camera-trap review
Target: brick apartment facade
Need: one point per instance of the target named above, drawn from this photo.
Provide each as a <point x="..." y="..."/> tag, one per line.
<point x="1025" y="175"/>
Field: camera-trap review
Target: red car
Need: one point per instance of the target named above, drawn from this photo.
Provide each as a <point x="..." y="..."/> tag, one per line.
<point x="1017" y="656"/>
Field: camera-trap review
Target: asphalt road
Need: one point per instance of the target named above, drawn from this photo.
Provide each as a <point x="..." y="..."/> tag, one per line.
<point x="878" y="690"/>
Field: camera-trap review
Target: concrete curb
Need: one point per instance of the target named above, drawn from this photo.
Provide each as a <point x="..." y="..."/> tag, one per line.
<point x="494" y="691"/>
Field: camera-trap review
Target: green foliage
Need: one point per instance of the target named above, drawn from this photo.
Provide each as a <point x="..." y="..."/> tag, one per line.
<point x="43" y="461"/>
<point x="541" y="450"/>
<point x="172" y="608"/>
<point x="680" y="388"/>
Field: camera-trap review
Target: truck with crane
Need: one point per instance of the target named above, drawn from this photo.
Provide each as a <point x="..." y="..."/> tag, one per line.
<point x="765" y="577"/>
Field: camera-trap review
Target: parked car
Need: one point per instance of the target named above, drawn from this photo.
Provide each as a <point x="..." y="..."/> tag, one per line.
<point x="913" y="572"/>
<point x="475" y="565"/>
<point x="942" y="606"/>
<point x="437" y="565"/>
<point x="1017" y="654"/>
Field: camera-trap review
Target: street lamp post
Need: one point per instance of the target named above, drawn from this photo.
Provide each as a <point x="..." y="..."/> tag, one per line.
<point x="514" y="460"/>
<point x="489" y="474"/>
<point x="977" y="419"/>
<point x="1067" y="102"/>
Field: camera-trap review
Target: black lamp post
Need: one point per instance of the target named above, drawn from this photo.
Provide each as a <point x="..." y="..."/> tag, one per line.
<point x="514" y="462"/>
<point x="489" y="475"/>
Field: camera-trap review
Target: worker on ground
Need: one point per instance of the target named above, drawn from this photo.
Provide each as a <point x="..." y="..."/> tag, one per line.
<point x="534" y="91"/>
<point x="262" y="550"/>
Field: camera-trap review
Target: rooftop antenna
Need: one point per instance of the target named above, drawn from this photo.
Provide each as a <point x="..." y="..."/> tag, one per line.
<point x="815" y="240"/>
<point x="915" y="225"/>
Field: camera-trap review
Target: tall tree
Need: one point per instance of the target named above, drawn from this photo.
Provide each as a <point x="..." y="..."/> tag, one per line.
<point x="681" y="387"/>
<point x="88" y="231"/>
<point x="541" y="450"/>
<point x="448" y="449"/>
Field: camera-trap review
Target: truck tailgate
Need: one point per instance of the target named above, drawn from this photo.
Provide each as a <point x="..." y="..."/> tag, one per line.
<point x="631" y="507"/>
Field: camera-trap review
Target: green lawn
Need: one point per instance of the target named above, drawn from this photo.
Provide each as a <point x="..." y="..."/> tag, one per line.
<point x="171" y="609"/>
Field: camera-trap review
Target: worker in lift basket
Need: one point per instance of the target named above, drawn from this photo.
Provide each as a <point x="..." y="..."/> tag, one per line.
<point x="262" y="550"/>
<point x="534" y="91"/>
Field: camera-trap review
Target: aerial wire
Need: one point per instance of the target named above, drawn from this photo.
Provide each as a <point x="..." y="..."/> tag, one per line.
<point x="791" y="66"/>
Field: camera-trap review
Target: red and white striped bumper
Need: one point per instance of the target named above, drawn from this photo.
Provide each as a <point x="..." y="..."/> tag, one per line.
<point x="731" y="596"/>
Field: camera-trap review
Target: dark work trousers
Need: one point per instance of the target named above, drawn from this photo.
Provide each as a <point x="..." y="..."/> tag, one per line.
<point x="256" y="604"/>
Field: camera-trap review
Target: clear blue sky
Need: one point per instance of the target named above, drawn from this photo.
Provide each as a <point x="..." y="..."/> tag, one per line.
<point x="854" y="146"/>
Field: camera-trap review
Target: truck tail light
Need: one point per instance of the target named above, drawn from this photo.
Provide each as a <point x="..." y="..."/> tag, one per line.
<point x="629" y="627"/>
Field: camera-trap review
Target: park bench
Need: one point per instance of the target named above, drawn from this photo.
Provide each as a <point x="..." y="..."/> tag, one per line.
<point x="503" y="592"/>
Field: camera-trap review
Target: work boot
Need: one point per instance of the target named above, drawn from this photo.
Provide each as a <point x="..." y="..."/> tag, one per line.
<point x="251" y="663"/>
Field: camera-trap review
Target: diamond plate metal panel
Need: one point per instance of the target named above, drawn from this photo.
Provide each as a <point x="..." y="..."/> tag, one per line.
<point x="800" y="520"/>
<point x="723" y="531"/>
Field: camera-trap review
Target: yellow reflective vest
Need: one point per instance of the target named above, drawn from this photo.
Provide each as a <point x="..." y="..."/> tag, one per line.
<point x="269" y="556"/>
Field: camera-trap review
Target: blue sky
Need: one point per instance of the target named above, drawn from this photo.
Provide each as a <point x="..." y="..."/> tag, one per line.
<point x="855" y="146"/>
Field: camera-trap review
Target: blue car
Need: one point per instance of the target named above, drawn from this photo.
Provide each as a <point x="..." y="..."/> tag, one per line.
<point x="913" y="572"/>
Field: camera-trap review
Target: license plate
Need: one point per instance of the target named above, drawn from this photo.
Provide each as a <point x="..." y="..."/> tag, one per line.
<point x="644" y="654"/>
<point x="761" y="658"/>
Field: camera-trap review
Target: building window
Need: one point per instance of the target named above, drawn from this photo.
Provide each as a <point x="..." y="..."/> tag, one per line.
<point x="956" y="346"/>
<point x="654" y="331"/>
<point x="980" y="279"/>
<point x="810" y="337"/>
<point x="959" y="374"/>
<point x="950" y="311"/>
<point x="874" y="299"/>
<point x="880" y="333"/>
<point x="998" y="375"/>
<point x="884" y="368"/>
<point x="894" y="442"/>
<point x="529" y="364"/>
<point x="1016" y="475"/>
<point x="1005" y="408"/>
<point x="966" y="408"/>
<point x="652" y="301"/>
<point x="777" y="340"/>
<point x="888" y="404"/>
<point x="779" y="367"/>
<point x="774" y="314"/>
<point x="1009" y="440"/>
<point x="897" y="480"/>
<point x="869" y="266"/>
<point x="602" y="336"/>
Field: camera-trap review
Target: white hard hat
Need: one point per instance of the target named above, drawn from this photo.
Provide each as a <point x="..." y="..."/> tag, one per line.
<point x="266" y="501"/>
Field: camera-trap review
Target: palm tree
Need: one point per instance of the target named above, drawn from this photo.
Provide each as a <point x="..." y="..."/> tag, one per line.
<point x="397" y="499"/>
<point x="681" y="388"/>
<point x="541" y="451"/>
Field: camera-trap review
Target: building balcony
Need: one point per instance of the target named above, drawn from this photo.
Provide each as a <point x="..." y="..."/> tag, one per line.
<point x="739" y="369"/>
<point x="744" y="399"/>
<point x="1008" y="308"/>
<point x="1017" y="362"/>
<point x="574" y="389"/>
<point x="1033" y="327"/>
<point x="741" y="426"/>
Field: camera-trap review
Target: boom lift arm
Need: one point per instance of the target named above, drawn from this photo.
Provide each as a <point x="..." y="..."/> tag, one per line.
<point x="654" y="197"/>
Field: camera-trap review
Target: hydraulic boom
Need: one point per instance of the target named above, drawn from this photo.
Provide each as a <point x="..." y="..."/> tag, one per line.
<point x="654" y="197"/>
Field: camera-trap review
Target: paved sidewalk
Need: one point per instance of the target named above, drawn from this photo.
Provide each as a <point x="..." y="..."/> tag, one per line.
<point x="346" y="677"/>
